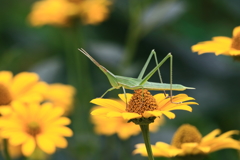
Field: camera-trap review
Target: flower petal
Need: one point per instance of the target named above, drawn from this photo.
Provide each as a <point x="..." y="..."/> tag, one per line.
<point x="23" y="81"/>
<point x="123" y="98"/>
<point x="100" y="111"/>
<point x="28" y="147"/>
<point x="45" y="143"/>
<point x="5" y="77"/>
<point x="182" y="107"/>
<point x="108" y="103"/>
<point x="170" y="115"/>
<point x="128" y="116"/>
<point x="155" y="113"/>
<point x="219" y="45"/>
<point x="236" y="31"/>
<point x="211" y="135"/>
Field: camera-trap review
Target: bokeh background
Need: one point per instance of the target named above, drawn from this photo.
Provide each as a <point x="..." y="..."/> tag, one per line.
<point x="122" y="47"/>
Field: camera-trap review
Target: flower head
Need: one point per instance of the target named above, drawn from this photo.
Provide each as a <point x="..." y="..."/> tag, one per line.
<point x="33" y="125"/>
<point x="60" y="12"/>
<point x="54" y="12"/>
<point x="221" y="45"/>
<point x="188" y="141"/>
<point x="23" y="87"/>
<point x="142" y="104"/>
<point x="109" y="126"/>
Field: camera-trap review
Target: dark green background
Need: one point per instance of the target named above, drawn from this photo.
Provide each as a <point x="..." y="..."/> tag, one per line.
<point x="216" y="78"/>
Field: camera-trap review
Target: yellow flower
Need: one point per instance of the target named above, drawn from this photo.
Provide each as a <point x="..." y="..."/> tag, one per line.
<point x="33" y="125"/>
<point x="142" y="105"/>
<point x="109" y="126"/>
<point x="188" y="141"/>
<point x="53" y="12"/>
<point x="221" y="45"/>
<point x="24" y="87"/>
<point x="60" y="12"/>
<point x="61" y="96"/>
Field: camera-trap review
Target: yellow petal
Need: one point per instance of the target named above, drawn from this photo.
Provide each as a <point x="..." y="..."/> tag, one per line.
<point x="108" y="103"/>
<point x="100" y="111"/>
<point x="5" y="110"/>
<point x="236" y="31"/>
<point x="61" y="121"/>
<point x="63" y="131"/>
<point x="154" y="113"/>
<point x="18" y="139"/>
<point x="228" y="134"/>
<point x="128" y="116"/>
<point x="182" y="107"/>
<point x="122" y="97"/>
<point x="45" y="144"/>
<point x="170" y="115"/>
<point x="224" y="144"/>
<point x="23" y="81"/>
<point x="59" y="141"/>
<point x="234" y="52"/>
<point x="140" y="149"/>
<point x="28" y="147"/>
<point x="211" y="135"/>
<point x="113" y="114"/>
<point x="5" y="77"/>
<point x="55" y="113"/>
<point x="219" y="45"/>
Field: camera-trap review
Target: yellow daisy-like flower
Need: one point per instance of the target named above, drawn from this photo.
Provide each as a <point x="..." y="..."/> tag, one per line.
<point x="109" y="126"/>
<point x="53" y="12"/>
<point x="33" y="125"/>
<point x="61" y="96"/>
<point x="221" y="45"/>
<point x="23" y="87"/>
<point x="60" y="12"/>
<point x="142" y="104"/>
<point x="188" y="141"/>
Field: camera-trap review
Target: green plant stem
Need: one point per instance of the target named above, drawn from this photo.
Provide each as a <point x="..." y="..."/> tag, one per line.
<point x="133" y="34"/>
<point x="145" y="133"/>
<point x="5" y="150"/>
<point x="135" y="31"/>
<point x="79" y="76"/>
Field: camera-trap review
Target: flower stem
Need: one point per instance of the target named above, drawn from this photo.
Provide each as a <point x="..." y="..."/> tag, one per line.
<point x="145" y="133"/>
<point x="6" y="153"/>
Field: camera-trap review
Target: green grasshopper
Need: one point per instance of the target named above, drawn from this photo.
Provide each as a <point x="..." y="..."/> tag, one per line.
<point x="139" y="83"/>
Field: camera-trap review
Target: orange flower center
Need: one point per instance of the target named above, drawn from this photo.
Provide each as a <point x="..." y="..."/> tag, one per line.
<point x="33" y="128"/>
<point x="236" y="42"/>
<point x="141" y="101"/>
<point x="186" y="134"/>
<point x="5" y="96"/>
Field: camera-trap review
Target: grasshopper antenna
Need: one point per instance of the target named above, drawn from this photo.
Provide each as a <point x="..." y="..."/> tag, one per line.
<point x="86" y="54"/>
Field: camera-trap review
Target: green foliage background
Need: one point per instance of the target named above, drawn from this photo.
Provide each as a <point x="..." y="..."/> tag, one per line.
<point x="167" y="26"/>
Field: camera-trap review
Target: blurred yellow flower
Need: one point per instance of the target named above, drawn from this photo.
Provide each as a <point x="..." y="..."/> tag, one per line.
<point x="23" y="87"/>
<point x="60" y="12"/>
<point x="61" y="96"/>
<point x="142" y="104"/>
<point x="221" y="45"/>
<point x="188" y="141"/>
<point x="33" y="125"/>
<point x="109" y="126"/>
<point x="53" y="12"/>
